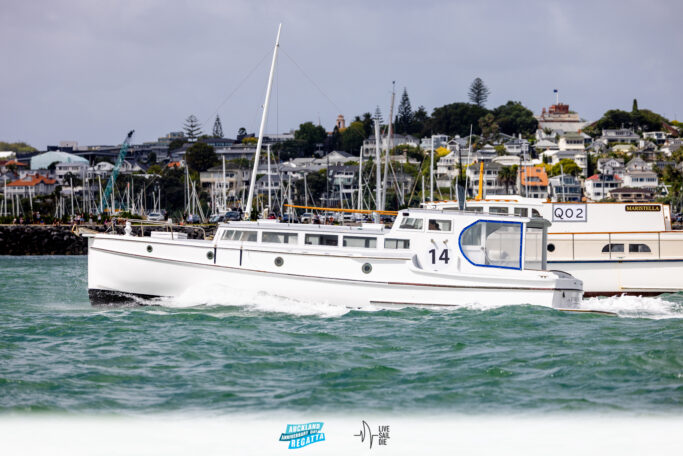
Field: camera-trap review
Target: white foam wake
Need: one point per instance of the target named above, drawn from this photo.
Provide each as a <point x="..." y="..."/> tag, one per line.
<point x="221" y="295"/>
<point x="635" y="306"/>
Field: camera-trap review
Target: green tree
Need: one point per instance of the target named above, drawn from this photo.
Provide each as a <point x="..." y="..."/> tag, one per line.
<point x="478" y="93"/>
<point x="192" y="128"/>
<point x="175" y="144"/>
<point x="217" y="128"/>
<point x="634" y="109"/>
<point x="420" y="118"/>
<point x="18" y="147"/>
<point x="569" y="166"/>
<point x="489" y="127"/>
<point x="310" y="135"/>
<point x="353" y="137"/>
<point x="404" y="117"/>
<point x="513" y="118"/>
<point x="200" y="157"/>
<point x="507" y="176"/>
<point x="455" y="119"/>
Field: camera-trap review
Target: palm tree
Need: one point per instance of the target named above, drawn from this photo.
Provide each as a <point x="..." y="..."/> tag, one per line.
<point x="507" y="176"/>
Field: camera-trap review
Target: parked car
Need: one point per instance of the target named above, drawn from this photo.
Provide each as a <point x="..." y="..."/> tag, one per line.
<point x="217" y="218"/>
<point x="193" y="218"/>
<point x="287" y="218"/>
<point x="156" y="216"/>
<point x="306" y="217"/>
<point x="233" y="216"/>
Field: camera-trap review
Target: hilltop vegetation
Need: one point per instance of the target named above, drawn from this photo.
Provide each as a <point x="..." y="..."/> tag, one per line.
<point x="18" y="147"/>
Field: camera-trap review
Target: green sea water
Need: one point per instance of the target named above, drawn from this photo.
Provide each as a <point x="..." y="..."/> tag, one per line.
<point x="221" y="352"/>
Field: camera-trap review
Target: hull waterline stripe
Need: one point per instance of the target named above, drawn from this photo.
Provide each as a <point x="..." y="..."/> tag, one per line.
<point x="372" y="282"/>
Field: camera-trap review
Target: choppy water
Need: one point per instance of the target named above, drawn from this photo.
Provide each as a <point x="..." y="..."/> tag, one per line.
<point x="217" y="351"/>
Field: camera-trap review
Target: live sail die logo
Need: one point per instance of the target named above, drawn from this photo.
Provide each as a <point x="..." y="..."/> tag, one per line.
<point x="643" y="208"/>
<point x="366" y="434"/>
<point x="301" y="435"/>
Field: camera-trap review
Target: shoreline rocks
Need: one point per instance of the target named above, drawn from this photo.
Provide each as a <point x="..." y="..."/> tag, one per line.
<point x="59" y="240"/>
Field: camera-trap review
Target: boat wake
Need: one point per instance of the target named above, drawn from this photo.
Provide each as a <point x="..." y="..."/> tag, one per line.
<point x="665" y="306"/>
<point x="259" y="301"/>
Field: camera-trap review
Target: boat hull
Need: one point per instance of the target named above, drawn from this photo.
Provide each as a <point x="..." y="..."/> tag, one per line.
<point x="122" y="271"/>
<point x="631" y="277"/>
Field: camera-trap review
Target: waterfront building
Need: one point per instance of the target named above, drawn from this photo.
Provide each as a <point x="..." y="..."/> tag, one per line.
<point x="533" y="182"/>
<point x="611" y="166"/>
<point x="491" y="184"/>
<point x="559" y="117"/>
<point x="621" y="135"/>
<point x="368" y="148"/>
<point x="565" y="187"/>
<point x="34" y="185"/>
<point x="599" y="186"/>
<point x="632" y="195"/>
<point x="659" y="137"/>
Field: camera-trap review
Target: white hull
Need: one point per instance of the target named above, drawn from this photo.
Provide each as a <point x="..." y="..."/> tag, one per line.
<point x="122" y="265"/>
<point x="644" y="277"/>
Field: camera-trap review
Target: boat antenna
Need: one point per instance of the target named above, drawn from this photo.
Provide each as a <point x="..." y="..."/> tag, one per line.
<point x="264" y="117"/>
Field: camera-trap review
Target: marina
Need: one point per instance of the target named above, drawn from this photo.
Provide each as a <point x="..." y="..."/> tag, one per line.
<point x="467" y="239"/>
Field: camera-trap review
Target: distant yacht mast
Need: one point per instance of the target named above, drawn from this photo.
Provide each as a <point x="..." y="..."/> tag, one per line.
<point x="264" y="117"/>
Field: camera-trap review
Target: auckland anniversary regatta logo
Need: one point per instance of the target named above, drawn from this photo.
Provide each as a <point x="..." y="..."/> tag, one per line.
<point x="300" y="435"/>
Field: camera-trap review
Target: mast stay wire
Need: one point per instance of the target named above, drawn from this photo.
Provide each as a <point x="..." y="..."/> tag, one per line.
<point x="239" y="85"/>
<point x="310" y="80"/>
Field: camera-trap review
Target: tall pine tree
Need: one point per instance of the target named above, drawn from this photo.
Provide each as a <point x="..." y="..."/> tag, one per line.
<point x="217" y="128"/>
<point x="405" y="117"/>
<point x="192" y="128"/>
<point x="478" y="93"/>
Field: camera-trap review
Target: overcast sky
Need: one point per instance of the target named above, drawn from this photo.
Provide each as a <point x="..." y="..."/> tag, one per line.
<point x="92" y="70"/>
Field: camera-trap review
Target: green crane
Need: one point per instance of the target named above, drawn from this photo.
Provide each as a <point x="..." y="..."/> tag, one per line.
<point x="115" y="172"/>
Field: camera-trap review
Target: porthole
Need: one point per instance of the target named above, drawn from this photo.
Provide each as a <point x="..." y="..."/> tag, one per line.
<point x="149" y="248"/>
<point x="209" y="255"/>
<point x="367" y="268"/>
<point x="279" y="261"/>
<point x="551" y="247"/>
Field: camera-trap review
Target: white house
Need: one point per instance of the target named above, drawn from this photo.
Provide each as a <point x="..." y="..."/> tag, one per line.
<point x="599" y="186"/>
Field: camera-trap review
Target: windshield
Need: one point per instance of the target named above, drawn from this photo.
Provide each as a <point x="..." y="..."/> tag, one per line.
<point x="493" y="244"/>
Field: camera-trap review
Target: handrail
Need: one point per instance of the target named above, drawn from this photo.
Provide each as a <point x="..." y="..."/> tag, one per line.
<point x="163" y="223"/>
<point x="337" y="209"/>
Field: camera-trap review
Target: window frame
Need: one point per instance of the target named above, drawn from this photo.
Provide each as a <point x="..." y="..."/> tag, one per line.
<point x="520" y="261"/>
<point x="306" y="235"/>
<point x="397" y="240"/>
<point x="288" y="235"/>
<point x="449" y="221"/>
<point x="367" y="239"/>
<point x="421" y="228"/>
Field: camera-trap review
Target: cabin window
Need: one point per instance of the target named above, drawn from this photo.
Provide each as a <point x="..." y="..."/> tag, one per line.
<point x="411" y="223"/>
<point x="239" y="235"/>
<point x="615" y="248"/>
<point x="439" y="225"/>
<point x="322" y="239"/>
<point x="397" y="243"/>
<point x="533" y="248"/>
<point x="522" y="211"/>
<point x="639" y="248"/>
<point x="493" y="244"/>
<point x="360" y="242"/>
<point x="498" y="210"/>
<point x="280" y="238"/>
<point x="475" y="209"/>
<point x="535" y="213"/>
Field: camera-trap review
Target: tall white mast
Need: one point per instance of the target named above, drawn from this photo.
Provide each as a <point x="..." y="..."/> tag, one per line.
<point x="264" y="117"/>
<point x="431" y="172"/>
<point x="225" y="195"/>
<point x="270" y="207"/>
<point x="390" y="141"/>
<point x="360" y="181"/>
<point x="378" y="190"/>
